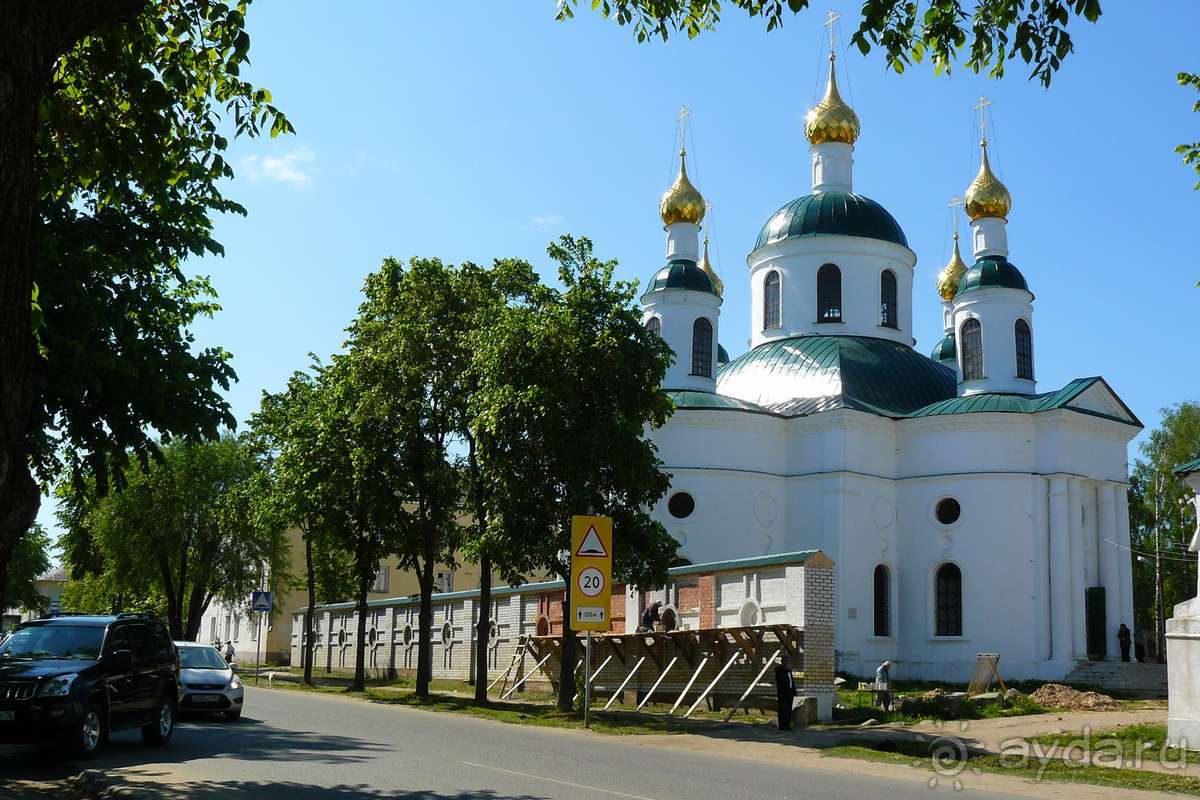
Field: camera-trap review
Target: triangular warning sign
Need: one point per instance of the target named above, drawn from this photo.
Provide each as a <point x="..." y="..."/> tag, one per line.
<point x="591" y="546"/>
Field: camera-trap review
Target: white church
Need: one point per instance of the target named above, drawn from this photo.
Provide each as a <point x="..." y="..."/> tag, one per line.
<point x="968" y="510"/>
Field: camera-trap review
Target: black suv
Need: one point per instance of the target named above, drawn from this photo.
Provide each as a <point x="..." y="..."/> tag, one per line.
<point x="73" y="679"/>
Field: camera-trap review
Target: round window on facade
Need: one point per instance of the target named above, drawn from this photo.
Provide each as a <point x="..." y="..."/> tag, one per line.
<point x="681" y="505"/>
<point x="342" y="638"/>
<point x="493" y="631"/>
<point x="373" y="637"/>
<point x="408" y="634"/>
<point x="948" y="511"/>
<point x="447" y="632"/>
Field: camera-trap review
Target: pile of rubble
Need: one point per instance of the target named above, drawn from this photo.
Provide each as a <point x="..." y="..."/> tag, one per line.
<point x="1055" y="695"/>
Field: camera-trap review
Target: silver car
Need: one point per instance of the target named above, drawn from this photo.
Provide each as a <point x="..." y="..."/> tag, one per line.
<point x="207" y="683"/>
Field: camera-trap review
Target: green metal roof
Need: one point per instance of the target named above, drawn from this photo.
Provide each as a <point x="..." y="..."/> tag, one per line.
<point x="1003" y="403"/>
<point x="681" y="273"/>
<point x="687" y="398"/>
<point x="796" y="557"/>
<point x="1189" y="467"/>
<point x="832" y="214"/>
<point x="945" y="350"/>
<point x="809" y="374"/>
<point x="992" y="272"/>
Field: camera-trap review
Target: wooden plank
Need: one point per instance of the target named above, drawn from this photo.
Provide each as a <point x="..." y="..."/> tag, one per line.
<point x="720" y="674"/>
<point x="512" y="663"/>
<point x="646" y="699"/>
<point x="754" y="683"/>
<point x="525" y="677"/>
<point x="688" y="688"/>
<point x="616" y="643"/>
<point x="600" y="668"/>
<point x="625" y="682"/>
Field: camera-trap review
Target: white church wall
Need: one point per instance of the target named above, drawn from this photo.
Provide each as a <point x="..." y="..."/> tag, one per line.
<point x="677" y="311"/>
<point x="861" y="262"/>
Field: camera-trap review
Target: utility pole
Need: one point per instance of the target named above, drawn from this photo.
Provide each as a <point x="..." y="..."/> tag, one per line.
<point x="1159" y="623"/>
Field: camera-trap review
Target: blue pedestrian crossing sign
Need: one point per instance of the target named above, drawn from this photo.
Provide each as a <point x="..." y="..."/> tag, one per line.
<point x="261" y="601"/>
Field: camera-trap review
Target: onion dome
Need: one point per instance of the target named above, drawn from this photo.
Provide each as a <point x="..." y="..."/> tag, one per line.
<point x="987" y="196"/>
<point x="706" y="266"/>
<point x="945" y="352"/>
<point x="831" y="120"/>
<point x="951" y="274"/>
<point x="682" y="273"/>
<point x="832" y="214"/>
<point x="992" y="272"/>
<point x="682" y="202"/>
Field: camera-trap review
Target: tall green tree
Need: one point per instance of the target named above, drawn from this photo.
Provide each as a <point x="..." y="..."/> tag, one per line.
<point x="993" y="32"/>
<point x="286" y="431"/>
<point x="114" y="117"/>
<point x="30" y="558"/>
<point x="1163" y="519"/>
<point x="184" y="527"/>
<point x="568" y="387"/>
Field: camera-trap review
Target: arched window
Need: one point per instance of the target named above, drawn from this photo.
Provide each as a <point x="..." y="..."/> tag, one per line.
<point x="654" y="325"/>
<point x="1024" y="350"/>
<point x="771" y="301"/>
<point x="702" y="348"/>
<point x="972" y="350"/>
<point x="829" y="294"/>
<point x="888" y="313"/>
<point x="948" y="591"/>
<point x="883" y="601"/>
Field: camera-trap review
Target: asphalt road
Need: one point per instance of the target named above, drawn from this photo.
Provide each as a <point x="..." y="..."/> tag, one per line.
<point x="299" y="746"/>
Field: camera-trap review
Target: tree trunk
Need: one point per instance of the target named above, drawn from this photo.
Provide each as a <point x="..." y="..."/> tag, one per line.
<point x="359" y="684"/>
<point x="3" y="589"/>
<point x="566" y="668"/>
<point x="195" y="614"/>
<point x="307" y="650"/>
<point x="425" y="623"/>
<point x="483" y="631"/>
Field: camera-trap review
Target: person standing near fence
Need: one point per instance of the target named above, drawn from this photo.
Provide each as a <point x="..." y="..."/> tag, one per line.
<point x="785" y="692"/>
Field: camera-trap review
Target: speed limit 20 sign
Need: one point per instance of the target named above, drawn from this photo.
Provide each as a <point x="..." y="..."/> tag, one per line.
<point x="591" y="573"/>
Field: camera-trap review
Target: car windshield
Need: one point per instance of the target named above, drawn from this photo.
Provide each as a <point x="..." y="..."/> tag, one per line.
<point x="201" y="658"/>
<point x="75" y="642"/>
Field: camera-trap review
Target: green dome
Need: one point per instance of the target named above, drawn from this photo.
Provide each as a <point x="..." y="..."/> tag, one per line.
<point x="945" y="350"/>
<point x="832" y="214"/>
<point x="992" y="272"/>
<point x="680" y="273"/>
<point x="809" y="374"/>
<point x="722" y="354"/>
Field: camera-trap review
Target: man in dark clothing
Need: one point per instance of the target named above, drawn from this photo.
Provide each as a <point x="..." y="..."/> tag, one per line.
<point x="785" y="692"/>
<point x="1123" y="639"/>
<point x="651" y="616"/>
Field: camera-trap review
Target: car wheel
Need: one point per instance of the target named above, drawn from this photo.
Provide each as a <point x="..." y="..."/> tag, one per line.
<point x="91" y="731"/>
<point x="233" y="716"/>
<point x="159" y="731"/>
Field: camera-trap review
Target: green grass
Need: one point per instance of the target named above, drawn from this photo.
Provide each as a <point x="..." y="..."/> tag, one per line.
<point x="858" y="707"/>
<point x="1145" y="740"/>
<point x="1055" y="770"/>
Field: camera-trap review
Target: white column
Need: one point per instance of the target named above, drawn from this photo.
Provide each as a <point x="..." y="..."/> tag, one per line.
<point x="1042" y="609"/>
<point x="1060" y="571"/>
<point x="833" y="167"/>
<point x="1110" y="570"/>
<point x="683" y="241"/>
<point x="989" y="237"/>
<point x="1078" y="607"/>
<point x="1124" y="557"/>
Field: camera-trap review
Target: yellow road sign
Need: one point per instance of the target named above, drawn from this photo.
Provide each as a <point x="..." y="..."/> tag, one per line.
<point x="591" y="573"/>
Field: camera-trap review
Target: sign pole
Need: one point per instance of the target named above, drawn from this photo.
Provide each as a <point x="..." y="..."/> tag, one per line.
<point x="257" y="647"/>
<point x="587" y="680"/>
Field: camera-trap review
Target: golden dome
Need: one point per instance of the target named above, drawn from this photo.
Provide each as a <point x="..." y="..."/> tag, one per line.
<point x="951" y="274"/>
<point x="706" y="266"/>
<point x="682" y="202"/>
<point x="831" y="120"/>
<point x="987" y="196"/>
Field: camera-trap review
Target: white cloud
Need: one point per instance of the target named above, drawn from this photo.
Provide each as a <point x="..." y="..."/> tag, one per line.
<point x="546" y="221"/>
<point x="284" y="168"/>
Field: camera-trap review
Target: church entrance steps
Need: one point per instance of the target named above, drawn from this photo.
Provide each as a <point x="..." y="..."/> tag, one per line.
<point x="1140" y="680"/>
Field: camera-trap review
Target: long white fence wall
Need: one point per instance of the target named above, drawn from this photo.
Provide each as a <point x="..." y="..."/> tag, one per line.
<point x="789" y="588"/>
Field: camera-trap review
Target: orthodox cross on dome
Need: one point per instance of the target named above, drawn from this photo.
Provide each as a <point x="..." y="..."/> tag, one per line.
<point x="982" y="109"/>
<point x="684" y="113"/>
<point x="955" y="204"/>
<point x="829" y="22"/>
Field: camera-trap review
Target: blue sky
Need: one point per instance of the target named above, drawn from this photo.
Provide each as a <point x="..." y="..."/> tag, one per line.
<point x="486" y="131"/>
